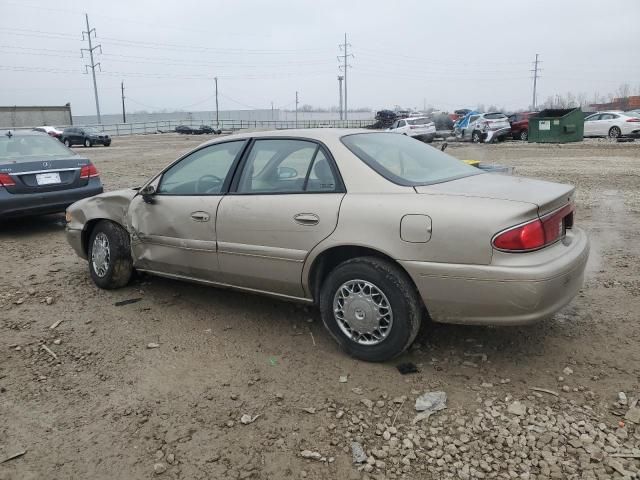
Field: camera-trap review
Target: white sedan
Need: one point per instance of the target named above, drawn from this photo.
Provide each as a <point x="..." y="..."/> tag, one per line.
<point x="422" y="128"/>
<point x="612" y="124"/>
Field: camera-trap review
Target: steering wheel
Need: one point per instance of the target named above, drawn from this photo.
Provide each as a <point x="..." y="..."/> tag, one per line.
<point x="200" y="188"/>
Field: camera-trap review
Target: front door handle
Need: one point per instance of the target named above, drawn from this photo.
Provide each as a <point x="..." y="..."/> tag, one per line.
<point x="306" y="218"/>
<point x="200" y="216"/>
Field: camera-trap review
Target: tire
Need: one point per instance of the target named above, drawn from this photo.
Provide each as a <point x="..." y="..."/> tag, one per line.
<point x="118" y="268"/>
<point x="88" y="143"/>
<point x="362" y="275"/>
<point x="476" y="137"/>
<point x="614" y="132"/>
<point x="108" y="144"/>
<point x="67" y="142"/>
<point x="524" y="135"/>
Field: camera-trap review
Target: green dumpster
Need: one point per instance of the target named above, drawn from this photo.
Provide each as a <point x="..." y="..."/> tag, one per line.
<point x="556" y="126"/>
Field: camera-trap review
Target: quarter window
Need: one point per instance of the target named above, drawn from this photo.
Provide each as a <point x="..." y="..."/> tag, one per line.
<point x="201" y="173"/>
<point x="286" y="166"/>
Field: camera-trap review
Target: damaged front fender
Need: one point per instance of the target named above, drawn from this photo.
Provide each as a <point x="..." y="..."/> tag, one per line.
<point x="84" y="213"/>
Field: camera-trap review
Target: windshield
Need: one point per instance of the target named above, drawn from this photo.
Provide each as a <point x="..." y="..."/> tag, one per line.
<point x="406" y="161"/>
<point x="26" y="147"/>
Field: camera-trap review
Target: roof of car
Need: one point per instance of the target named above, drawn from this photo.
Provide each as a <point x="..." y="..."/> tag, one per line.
<point x="320" y="134"/>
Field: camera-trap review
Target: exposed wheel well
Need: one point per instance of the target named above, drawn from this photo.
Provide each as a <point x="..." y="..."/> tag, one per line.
<point x="331" y="258"/>
<point x="86" y="233"/>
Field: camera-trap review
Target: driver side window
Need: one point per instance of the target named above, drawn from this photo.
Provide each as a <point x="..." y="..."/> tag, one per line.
<point x="201" y="173"/>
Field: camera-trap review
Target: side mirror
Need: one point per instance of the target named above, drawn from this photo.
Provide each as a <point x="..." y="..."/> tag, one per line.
<point x="147" y="193"/>
<point x="285" y="173"/>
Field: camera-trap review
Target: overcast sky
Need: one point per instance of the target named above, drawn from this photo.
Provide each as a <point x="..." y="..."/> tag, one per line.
<point x="443" y="54"/>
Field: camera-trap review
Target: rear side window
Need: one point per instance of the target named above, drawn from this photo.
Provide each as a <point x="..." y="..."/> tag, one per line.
<point x="286" y="166"/>
<point x="495" y="116"/>
<point x="31" y="147"/>
<point x="404" y="161"/>
<point x="420" y="121"/>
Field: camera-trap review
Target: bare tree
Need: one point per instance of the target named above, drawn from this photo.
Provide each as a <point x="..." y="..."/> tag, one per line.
<point x="480" y="108"/>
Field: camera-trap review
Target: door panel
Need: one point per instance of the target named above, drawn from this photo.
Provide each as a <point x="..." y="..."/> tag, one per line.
<point x="175" y="234"/>
<point x="261" y="243"/>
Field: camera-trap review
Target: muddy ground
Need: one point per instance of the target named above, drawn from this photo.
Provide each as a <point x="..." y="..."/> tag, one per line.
<point x="109" y="407"/>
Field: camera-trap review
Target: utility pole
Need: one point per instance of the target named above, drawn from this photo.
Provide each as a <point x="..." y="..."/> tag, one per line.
<point x="272" y="110"/>
<point x="535" y="80"/>
<point x="344" y="47"/>
<point x="296" y="109"/>
<point x="340" y="78"/>
<point x="217" y="119"/>
<point x="93" y="65"/>
<point x="124" y="115"/>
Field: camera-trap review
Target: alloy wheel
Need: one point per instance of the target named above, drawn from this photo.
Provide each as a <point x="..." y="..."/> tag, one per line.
<point x="101" y="254"/>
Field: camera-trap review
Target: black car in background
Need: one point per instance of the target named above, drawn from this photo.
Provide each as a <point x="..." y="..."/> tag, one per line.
<point x="187" y="130"/>
<point x="39" y="175"/>
<point x="86" y="136"/>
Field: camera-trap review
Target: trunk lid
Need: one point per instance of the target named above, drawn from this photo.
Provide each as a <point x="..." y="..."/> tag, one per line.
<point x="40" y="176"/>
<point x="547" y="196"/>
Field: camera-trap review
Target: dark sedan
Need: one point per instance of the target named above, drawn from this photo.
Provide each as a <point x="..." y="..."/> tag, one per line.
<point x="203" y="129"/>
<point x="39" y="175"/>
<point x="86" y="136"/>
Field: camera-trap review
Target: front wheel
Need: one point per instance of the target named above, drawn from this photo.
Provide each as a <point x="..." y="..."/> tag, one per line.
<point x="109" y="256"/>
<point x="371" y="308"/>
<point x="88" y="143"/>
<point x="614" y="132"/>
<point x="524" y="135"/>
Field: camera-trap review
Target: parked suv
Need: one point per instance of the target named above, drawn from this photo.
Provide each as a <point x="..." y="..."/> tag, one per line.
<point x="483" y="127"/>
<point x="421" y="128"/>
<point x="520" y="125"/>
<point x="86" y="136"/>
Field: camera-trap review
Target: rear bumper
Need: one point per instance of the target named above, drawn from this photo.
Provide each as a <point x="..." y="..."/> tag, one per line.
<point x="527" y="288"/>
<point x="425" y="137"/>
<point x="17" y="204"/>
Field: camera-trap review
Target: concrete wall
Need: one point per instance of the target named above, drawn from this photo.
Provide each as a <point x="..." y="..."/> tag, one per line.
<point x="17" y="116"/>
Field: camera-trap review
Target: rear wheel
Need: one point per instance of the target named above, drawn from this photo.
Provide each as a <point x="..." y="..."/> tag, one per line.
<point x="524" y="135"/>
<point x="88" y="143"/>
<point x="107" y="144"/>
<point x="614" y="132"/>
<point x="476" y="137"/>
<point x="109" y="255"/>
<point x="371" y="308"/>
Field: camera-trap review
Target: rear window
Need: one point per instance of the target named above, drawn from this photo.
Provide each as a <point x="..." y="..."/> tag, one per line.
<point x="420" y="121"/>
<point x="495" y="116"/>
<point x="28" y="147"/>
<point x="406" y="161"/>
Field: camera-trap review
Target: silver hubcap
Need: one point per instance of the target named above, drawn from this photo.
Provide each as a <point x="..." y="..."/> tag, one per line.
<point x="613" y="133"/>
<point x="363" y="312"/>
<point x="100" y="254"/>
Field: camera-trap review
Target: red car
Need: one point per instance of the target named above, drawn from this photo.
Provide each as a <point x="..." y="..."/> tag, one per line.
<point x="520" y="125"/>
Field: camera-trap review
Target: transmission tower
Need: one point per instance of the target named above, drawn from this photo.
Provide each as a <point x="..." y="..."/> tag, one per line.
<point x="344" y="67"/>
<point x="93" y="64"/>
<point x="536" y="74"/>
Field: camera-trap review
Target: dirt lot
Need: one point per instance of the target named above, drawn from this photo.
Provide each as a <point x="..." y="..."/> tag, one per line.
<point x="109" y="407"/>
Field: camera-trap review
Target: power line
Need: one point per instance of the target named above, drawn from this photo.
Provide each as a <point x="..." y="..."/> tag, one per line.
<point x="93" y="64"/>
<point x="344" y="67"/>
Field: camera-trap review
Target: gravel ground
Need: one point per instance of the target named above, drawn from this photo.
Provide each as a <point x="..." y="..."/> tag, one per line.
<point x="199" y="383"/>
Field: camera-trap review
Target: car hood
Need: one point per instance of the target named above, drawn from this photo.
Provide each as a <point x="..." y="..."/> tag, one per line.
<point x="547" y="196"/>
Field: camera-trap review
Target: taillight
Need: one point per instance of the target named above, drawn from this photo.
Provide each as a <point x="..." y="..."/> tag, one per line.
<point x="89" y="171"/>
<point x="537" y="233"/>
<point x="6" y="180"/>
<point x="633" y="120"/>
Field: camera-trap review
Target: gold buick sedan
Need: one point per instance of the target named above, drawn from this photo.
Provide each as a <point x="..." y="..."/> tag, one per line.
<point x="379" y="230"/>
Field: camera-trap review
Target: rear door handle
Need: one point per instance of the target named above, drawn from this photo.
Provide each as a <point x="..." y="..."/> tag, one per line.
<point x="200" y="216"/>
<point x="306" y="218"/>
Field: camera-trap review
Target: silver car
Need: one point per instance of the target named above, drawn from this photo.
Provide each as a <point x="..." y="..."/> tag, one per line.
<point x="378" y="230"/>
<point x="485" y="128"/>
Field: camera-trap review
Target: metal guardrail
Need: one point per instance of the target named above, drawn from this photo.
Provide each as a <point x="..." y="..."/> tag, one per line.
<point x="141" y="128"/>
